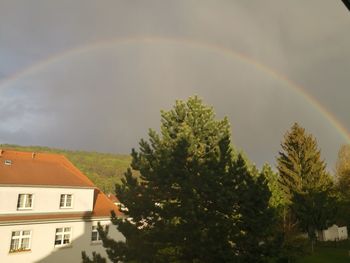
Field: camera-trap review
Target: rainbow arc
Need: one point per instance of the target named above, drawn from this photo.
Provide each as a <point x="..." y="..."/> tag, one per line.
<point x="299" y="90"/>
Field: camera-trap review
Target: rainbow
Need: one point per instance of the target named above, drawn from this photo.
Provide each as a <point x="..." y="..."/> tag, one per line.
<point x="189" y="43"/>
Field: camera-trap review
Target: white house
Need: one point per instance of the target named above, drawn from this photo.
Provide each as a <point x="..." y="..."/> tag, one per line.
<point x="49" y="210"/>
<point x="333" y="233"/>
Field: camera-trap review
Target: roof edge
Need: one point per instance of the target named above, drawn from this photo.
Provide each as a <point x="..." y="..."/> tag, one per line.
<point x="51" y="221"/>
<point x="48" y="186"/>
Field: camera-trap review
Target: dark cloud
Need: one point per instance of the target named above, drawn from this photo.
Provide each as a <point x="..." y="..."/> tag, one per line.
<point x="106" y="98"/>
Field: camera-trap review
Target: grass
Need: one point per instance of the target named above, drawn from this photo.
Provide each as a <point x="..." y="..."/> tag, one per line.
<point x="329" y="252"/>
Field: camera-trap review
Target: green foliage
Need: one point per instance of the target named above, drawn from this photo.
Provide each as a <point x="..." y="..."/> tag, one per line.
<point x="343" y="163"/>
<point x="256" y="222"/>
<point x="96" y="258"/>
<point x="300" y="165"/>
<point x="343" y="185"/>
<point x="278" y="199"/>
<point x="343" y="173"/>
<point x="305" y="182"/>
<point x="315" y="210"/>
<point x="290" y="247"/>
<point x="196" y="200"/>
<point x="103" y="169"/>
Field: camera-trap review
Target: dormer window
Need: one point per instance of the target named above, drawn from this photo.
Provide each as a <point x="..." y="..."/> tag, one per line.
<point x="66" y="201"/>
<point x="25" y="201"/>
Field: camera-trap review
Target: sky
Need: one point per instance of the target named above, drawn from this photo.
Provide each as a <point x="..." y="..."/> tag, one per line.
<point x="94" y="75"/>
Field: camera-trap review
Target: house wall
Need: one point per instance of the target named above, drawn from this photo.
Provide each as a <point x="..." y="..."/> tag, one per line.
<point x="43" y="249"/>
<point x="343" y="233"/>
<point x="333" y="233"/>
<point x="45" y="200"/>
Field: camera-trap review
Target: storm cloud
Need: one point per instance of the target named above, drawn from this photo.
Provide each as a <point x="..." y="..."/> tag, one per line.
<point x="105" y="97"/>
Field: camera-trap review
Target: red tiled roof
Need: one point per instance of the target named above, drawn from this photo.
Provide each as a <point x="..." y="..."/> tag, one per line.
<point x="44" y="169"/>
<point x="103" y="205"/>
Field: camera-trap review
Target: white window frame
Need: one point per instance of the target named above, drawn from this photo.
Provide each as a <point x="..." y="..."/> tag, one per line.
<point x="62" y="234"/>
<point x="94" y="230"/>
<point x="21" y="237"/>
<point x="65" y="206"/>
<point x="26" y="196"/>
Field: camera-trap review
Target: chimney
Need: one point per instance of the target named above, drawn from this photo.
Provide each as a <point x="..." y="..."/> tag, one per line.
<point x="33" y="155"/>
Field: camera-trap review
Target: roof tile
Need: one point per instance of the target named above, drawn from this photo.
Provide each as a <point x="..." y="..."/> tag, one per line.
<point x="43" y="169"/>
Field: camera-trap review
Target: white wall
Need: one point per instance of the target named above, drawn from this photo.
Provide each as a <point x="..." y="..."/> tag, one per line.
<point x="343" y="233"/>
<point x="45" y="200"/>
<point x="333" y="233"/>
<point x="42" y="242"/>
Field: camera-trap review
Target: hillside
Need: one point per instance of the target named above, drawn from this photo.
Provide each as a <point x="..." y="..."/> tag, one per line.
<point x="104" y="169"/>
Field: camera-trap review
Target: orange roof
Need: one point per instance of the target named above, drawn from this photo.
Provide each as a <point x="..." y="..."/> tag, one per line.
<point x="103" y="205"/>
<point x="102" y="209"/>
<point x="44" y="169"/>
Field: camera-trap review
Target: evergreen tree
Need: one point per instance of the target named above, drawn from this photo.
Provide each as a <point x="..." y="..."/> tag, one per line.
<point x="306" y="184"/>
<point x="343" y="171"/>
<point x="256" y="224"/>
<point x="287" y="245"/>
<point x="277" y="200"/>
<point x="343" y="185"/>
<point x="193" y="202"/>
<point x="299" y="163"/>
<point x="96" y="258"/>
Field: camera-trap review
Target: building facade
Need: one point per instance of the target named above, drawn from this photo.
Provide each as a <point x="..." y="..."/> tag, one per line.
<point x="49" y="210"/>
<point x="333" y="233"/>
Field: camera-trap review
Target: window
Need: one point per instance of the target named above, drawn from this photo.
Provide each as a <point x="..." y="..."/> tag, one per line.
<point x="63" y="236"/>
<point x="66" y="201"/>
<point x="20" y="241"/>
<point x="95" y="236"/>
<point x="25" y="201"/>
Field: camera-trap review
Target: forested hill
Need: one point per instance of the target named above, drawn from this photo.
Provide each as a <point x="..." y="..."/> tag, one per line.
<point x="104" y="169"/>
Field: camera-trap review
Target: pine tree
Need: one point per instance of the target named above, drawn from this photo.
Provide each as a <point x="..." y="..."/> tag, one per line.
<point x="343" y="171"/>
<point x="195" y="200"/>
<point x="277" y="200"/>
<point x="96" y="258"/>
<point x="343" y="185"/>
<point x="306" y="184"/>
<point x="256" y="222"/>
<point x="299" y="164"/>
